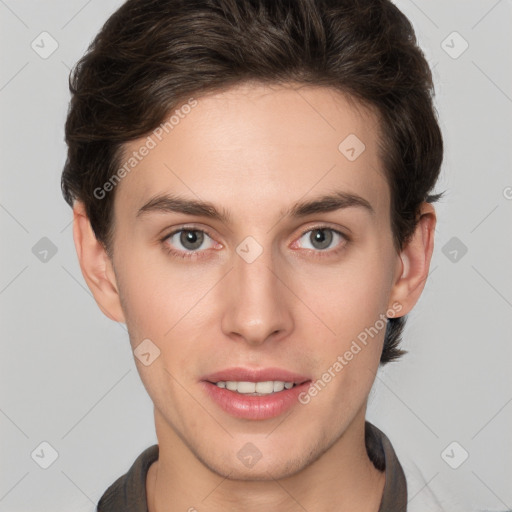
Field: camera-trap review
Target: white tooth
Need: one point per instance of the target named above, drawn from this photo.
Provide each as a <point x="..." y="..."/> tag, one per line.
<point x="278" y="385"/>
<point x="265" y="387"/>
<point x="231" y="385"/>
<point x="246" y="387"/>
<point x="261" y="388"/>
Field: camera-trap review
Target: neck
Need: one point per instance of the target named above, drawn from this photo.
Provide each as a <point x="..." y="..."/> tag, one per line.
<point x="342" y="479"/>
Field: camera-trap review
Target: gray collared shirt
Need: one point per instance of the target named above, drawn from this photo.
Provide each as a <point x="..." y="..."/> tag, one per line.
<point x="128" y="492"/>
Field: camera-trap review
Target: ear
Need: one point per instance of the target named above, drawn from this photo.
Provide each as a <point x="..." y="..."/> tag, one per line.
<point x="96" y="265"/>
<point x="414" y="262"/>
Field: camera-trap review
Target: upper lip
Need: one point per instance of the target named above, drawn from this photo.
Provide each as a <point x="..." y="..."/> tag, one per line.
<point x="240" y="374"/>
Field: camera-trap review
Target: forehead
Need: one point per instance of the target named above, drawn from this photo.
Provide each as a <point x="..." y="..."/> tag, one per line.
<point x="259" y="144"/>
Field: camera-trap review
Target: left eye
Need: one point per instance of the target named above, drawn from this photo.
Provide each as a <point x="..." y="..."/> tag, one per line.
<point x="190" y="239"/>
<point x="321" y="238"/>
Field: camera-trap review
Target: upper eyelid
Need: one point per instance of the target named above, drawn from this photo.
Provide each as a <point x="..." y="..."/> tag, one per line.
<point x="186" y="228"/>
<point x="321" y="226"/>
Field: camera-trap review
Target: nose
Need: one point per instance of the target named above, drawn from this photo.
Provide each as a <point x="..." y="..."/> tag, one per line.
<point x="258" y="302"/>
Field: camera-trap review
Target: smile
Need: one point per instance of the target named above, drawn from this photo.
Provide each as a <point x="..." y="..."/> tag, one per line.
<point x="254" y="394"/>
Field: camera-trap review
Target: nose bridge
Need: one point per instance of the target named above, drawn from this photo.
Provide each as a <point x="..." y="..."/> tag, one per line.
<point x="255" y="272"/>
<point x="257" y="305"/>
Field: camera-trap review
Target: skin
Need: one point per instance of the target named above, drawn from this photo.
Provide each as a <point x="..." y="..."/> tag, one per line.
<point x="255" y="151"/>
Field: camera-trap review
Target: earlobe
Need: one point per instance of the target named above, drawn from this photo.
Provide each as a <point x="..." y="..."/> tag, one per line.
<point x="96" y="265"/>
<point x="415" y="261"/>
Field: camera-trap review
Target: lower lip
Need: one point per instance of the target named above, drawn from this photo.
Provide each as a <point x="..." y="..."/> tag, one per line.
<point x="255" y="407"/>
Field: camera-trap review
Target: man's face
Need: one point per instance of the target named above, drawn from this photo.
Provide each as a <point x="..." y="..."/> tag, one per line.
<point x="262" y="295"/>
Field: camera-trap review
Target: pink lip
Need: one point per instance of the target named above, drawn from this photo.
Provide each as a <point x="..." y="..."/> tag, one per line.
<point x="254" y="407"/>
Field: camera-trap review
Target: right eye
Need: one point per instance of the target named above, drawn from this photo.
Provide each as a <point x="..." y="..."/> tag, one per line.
<point x="190" y="239"/>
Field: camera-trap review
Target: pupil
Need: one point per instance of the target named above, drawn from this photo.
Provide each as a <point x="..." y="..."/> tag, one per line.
<point x="195" y="238"/>
<point x="319" y="236"/>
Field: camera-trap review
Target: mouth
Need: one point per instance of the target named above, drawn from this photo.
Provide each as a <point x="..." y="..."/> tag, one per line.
<point x="255" y="394"/>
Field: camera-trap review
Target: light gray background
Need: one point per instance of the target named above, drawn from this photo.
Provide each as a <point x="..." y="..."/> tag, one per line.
<point x="67" y="372"/>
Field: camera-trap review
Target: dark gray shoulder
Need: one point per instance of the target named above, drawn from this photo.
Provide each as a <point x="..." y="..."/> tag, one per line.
<point x="382" y="454"/>
<point x="128" y="492"/>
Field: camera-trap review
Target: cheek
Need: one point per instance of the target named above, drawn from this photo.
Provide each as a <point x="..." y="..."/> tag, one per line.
<point x="352" y="304"/>
<point x="171" y="307"/>
<point x="156" y="296"/>
<point x="352" y="296"/>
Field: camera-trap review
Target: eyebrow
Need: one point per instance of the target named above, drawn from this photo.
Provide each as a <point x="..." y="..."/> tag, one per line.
<point x="167" y="203"/>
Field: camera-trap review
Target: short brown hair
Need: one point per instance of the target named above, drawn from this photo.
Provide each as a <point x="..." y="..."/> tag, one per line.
<point x="151" y="55"/>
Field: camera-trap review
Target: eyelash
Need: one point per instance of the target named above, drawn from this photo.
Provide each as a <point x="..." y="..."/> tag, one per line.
<point x="200" y="254"/>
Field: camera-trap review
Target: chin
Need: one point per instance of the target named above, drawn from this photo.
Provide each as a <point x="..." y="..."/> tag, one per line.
<point x="261" y="467"/>
<point x="262" y="472"/>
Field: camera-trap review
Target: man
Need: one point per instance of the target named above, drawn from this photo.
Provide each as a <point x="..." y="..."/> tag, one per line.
<point x="251" y="184"/>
